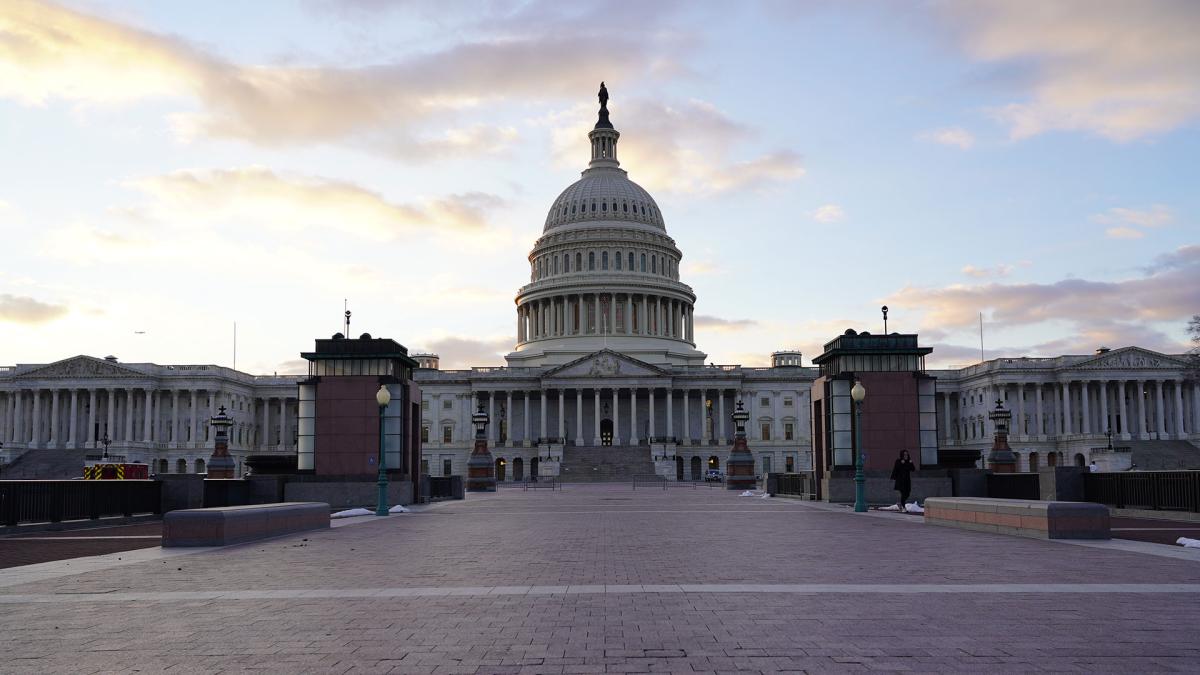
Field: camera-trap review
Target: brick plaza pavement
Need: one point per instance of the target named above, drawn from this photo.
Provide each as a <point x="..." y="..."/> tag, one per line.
<point x="607" y="579"/>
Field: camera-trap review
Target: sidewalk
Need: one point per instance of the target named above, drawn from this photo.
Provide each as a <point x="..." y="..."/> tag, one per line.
<point x="604" y="578"/>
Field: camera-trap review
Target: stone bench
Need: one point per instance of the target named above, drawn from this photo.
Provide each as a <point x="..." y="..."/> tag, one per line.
<point x="1041" y="520"/>
<point x="236" y="524"/>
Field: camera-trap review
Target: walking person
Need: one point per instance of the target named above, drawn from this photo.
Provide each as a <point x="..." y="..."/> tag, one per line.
<point x="902" y="474"/>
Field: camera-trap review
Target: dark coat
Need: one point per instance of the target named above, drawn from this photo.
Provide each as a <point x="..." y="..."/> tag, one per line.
<point x="902" y="474"/>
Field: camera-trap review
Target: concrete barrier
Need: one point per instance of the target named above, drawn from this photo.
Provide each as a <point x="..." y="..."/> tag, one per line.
<point x="236" y="524"/>
<point x="1041" y="520"/>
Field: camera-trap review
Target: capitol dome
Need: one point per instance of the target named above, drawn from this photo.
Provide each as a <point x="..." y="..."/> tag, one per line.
<point x="604" y="273"/>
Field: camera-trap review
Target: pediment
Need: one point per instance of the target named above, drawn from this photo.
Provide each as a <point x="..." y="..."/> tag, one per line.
<point x="82" y="366"/>
<point x="605" y="363"/>
<point x="1130" y="358"/>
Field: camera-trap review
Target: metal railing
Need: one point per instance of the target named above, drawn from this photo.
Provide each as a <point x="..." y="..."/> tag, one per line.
<point x="548" y="482"/>
<point x="793" y="484"/>
<point x="1155" y="490"/>
<point x="53" y="501"/>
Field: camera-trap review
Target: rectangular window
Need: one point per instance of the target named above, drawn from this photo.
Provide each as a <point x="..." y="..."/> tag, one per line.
<point x="788" y="431"/>
<point x="447" y="435"/>
<point x="425" y="466"/>
<point x="764" y="402"/>
<point x="446" y="405"/>
<point x="787" y="401"/>
<point x="790" y="463"/>
<point x="766" y="464"/>
<point x="447" y="466"/>
<point x="424" y="434"/>
<point x="424" y="405"/>
<point x="766" y="431"/>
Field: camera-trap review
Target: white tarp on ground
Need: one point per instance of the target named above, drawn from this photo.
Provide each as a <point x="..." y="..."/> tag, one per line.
<point x="350" y="513"/>
<point x="398" y="509"/>
<point x="1188" y="543"/>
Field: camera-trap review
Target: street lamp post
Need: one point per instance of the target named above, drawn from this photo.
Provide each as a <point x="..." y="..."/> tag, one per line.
<point x="1108" y="433"/>
<point x="383" y="397"/>
<point x="105" y="441"/>
<point x="858" y="393"/>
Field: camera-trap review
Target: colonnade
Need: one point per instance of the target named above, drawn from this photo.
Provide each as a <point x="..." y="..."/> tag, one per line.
<point x="638" y="415"/>
<point x="1134" y="408"/>
<point x="81" y="417"/>
<point x="605" y="313"/>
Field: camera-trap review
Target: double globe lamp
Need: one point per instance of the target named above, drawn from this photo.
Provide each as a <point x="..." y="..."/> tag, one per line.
<point x="383" y="397"/>
<point x="858" y="393"/>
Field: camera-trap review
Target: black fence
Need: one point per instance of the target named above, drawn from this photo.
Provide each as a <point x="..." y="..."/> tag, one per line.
<point x="1014" y="486"/>
<point x="53" y="501"/>
<point x="438" y="488"/>
<point x="793" y="484"/>
<point x="1156" y="490"/>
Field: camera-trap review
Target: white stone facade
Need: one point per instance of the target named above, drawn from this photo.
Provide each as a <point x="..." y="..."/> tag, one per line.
<point x="150" y="413"/>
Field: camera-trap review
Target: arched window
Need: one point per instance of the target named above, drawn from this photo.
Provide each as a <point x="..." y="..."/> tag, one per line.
<point x="604" y="260"/>
<point x="591" y="260"/>
<point x="572" y="208"/>
<point x="593" y="206"/>
<point x="578" y="262"/>
<point x="199" y="466"/>
<point x="643" y="262"/>
<point x="556" y="264"/>
<point x="631" y="261"/>
<point x="654" y="264"/>
<point x="567" y="263"/>
<point x="181" y="465"/>
<point x="604" y="207"/>
<point x="625" y="207"/>
<point x="617" y="260"/>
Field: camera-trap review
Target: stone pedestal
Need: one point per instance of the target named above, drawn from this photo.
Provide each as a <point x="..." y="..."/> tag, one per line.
<point x="739" y="468"/>
<point x="481" y="467"/>
<point x="1001" y="458"/>
<point x="549" y="468"/>
<point x="665" y="468"/>
<point x="220" y="464"/>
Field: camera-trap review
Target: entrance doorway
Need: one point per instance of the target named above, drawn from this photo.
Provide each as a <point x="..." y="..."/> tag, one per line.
<point x="500" y="468"/>
<point x="606" y="432"/>
<point x="695" y="467"/>
<point x="518" y="469"/>
<point x="678" y="467"/>
<point x="533" y="469"/>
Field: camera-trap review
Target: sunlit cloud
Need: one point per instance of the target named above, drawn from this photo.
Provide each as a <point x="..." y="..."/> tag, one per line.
<point x="1122" y="70"/>
<point x="50" y="52"/>
<point x="259" y="195"/>
<point x="829" y="213"/>
<point x="716" y="323"/>
<point x="1123" y="233"/>
<point x="690" y="147"/>
<point x="460" y="353"/>
<point x="953" y="136"/>
<point x="987" y="272"/>
<point x="30" y="311"/>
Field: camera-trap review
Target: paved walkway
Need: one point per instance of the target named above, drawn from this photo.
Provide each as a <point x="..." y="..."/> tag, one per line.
<point x="40" y="546"/>
<point x="607" y="579"/>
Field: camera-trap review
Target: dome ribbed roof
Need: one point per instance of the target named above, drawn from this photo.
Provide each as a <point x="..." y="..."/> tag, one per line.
<point x="604" y="194"/>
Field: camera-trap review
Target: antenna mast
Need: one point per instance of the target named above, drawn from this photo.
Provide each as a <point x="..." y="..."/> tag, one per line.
<point x="345" y="306"/>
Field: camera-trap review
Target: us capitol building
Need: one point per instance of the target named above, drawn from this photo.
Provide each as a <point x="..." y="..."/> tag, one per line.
<point x="605" y="376"/>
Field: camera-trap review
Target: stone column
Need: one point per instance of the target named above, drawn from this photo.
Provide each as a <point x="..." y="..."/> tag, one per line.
<point x="52" y="441"/>
<point x="1178" y="385"/>
<point x="435" y="418"/>
<point x="1083" y="400"/>
<point x="562" y="420"/>
<point x="704" y="409"/>
<point x="578" y="417"/>
<point x="1142" y="418"/>
<point x="128" y="416"/>
<point x="525" y="422"/>
<point x="491" y="431"/>
<point x="650" y="408"/>
<point x="627" y="324"/>
<point x="596" y="416"/>
<point x="721" y="414"/>
<point x="147" y="435"/>
<point x="687" y="421"/>
<point x="1195" y="407"/>
<point x="1041" y="429"/>
<point x="633" y="433"/>
<point x="1158" y="408"/>
<point x="1019" y="422"/>
<point x="542" y="421"/>
<point x="1123" y="426"/>
<point x="1105" y="422"/>
<point x="1067" y="427"/>
<point x="175" y="417"/>
<point x="616" y="417"/>
<point x="36" y="442"/>
<point x="18" y="433"/>
<point x="73" y="420"/>
<point x="508" y="408"/>
<point x="612" y="320"/>
<point x="671" y="413"/>
<point x="111" y="410"/>
<point x="643" y="314"/>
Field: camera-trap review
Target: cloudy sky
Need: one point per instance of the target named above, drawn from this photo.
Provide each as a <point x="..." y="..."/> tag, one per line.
<point x="169" y="169"/>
